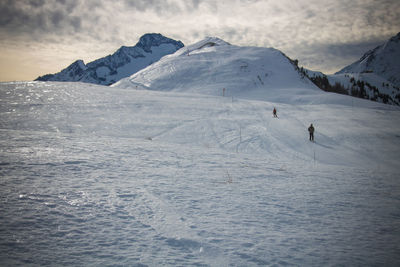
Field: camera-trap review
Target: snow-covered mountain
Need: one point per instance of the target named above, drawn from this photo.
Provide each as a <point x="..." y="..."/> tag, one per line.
<point x="236" y="71"/>
<point x="123" y="63"/>
<point x="376" y="76"/>
<point x="215" y="67"/>
<point x="383" y="61"/>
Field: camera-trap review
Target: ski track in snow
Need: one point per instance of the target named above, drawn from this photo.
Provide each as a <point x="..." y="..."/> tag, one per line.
<point x="99" y="176"/>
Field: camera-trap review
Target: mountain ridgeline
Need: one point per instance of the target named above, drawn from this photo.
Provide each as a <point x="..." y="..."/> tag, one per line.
<point x="246" y="71"/>
<point x="123" y="63"/>
<point x="375" y="76"/>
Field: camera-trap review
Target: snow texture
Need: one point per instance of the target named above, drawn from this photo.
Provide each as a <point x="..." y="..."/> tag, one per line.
<point x="103" y="176"/>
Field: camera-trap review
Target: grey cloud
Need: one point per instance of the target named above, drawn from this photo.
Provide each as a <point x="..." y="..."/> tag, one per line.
<point x="57" y="17"/>
<point x="249" y="1"/>
<point x="76" y="23"/>
<point x="56" y="21"/>
<point x="37" y="16"/>
<point x="332" y="57"/>
<point x="159" y="7"/>
<point x="36" y="3"/>
<point x="192" y="5"/>
<point x="141" y="5"/>
<point x="167" y="8"/>
<point x="351" y="49"/>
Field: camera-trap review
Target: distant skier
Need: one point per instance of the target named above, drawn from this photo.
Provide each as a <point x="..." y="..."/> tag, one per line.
<point x="311" y="131"/>
<point x="274" y="112"/>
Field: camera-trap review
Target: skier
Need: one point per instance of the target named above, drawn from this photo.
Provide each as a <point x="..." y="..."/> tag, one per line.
<point x="311" y="131"/>
<point x="274" y="112"/>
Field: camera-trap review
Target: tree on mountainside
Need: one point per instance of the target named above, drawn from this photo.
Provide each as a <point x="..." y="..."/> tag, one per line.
<point x="323" y="83"/>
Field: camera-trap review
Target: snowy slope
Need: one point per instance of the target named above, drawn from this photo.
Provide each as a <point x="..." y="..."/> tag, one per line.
<point x="373" y="79"/>
<point x="375" y="76"/>
<point x="362" y="85"/>
<point x="209" y="66"/>
<point x="123" y="63"/>
<point x="383" y="60"/>
<point x="99" y="176"/>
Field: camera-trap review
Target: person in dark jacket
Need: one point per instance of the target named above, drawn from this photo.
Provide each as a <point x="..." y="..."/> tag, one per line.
<point x="274" y="112"/>
<point x="311" y="131"/>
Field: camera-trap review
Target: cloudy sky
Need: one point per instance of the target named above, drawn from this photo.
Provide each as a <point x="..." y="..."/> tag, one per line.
<point x="44" y="36"/>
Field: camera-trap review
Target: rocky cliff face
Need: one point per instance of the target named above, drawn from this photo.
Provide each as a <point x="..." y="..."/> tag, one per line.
<point x="123" y="63"/>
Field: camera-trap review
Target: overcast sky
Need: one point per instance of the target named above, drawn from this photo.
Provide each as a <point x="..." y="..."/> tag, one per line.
<point x="44" y="36"/>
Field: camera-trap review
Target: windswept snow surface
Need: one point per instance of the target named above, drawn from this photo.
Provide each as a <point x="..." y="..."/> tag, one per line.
<point x="100" y="176"/>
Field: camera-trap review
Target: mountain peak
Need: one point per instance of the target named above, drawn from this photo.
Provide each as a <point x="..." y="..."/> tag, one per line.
<point x="156" y="39"/>
<point x="206" y="42"/>
<point x="383" y="60"/>
<point x="79" y="64"/>
<point x="215" y="40"/>
<point x="209" y="42"/>
<point x="124" y="62"/>
<point x="395" y="38"/>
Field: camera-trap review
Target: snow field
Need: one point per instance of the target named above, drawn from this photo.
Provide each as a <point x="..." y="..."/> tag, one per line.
<point x="103" y="176"/>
